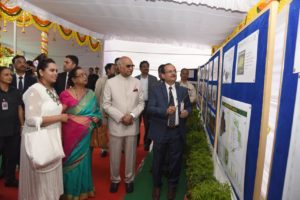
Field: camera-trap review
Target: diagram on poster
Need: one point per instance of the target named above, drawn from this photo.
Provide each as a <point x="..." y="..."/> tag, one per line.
<point x="206" y="72"/>
<point x="228" y="64"/>
<point x="209" y="94"/>
<point x="246" y="59"/>
<point x="297" y="52"/>
<point x="210" y="66"/>
<point x="214" y="96"/>
<point x="233" y="139"/>
<point x="215" y="68"/>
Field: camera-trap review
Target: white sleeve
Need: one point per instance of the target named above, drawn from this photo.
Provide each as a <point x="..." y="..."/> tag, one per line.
<point x="33" y="107"/>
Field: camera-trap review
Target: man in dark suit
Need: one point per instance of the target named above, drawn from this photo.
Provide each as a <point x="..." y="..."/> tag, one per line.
<point x="21" y="80"/>
<point x="147" y="82"/>
<point x="169" y="106"/>
<point x="70" y="63"/>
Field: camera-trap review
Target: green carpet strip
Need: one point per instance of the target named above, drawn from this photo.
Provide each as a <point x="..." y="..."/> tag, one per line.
<point x="143" y="184"/>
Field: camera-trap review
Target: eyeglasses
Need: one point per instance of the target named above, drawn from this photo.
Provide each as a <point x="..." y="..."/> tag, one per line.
<point x="170" y="72"/>
<point x="129" y="66"/>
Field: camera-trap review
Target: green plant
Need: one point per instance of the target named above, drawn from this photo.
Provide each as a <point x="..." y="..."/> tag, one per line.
<point x="199" y="168"/>
<point x="199" y="165"/>
<point x="211" y="190"/>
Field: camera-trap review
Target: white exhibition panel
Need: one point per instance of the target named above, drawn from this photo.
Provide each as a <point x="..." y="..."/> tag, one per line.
<point x="155" y="54"/>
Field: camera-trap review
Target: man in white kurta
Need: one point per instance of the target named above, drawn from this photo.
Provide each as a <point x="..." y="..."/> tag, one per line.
<point x="99" y="92"/>
<point x="123" y="102"/>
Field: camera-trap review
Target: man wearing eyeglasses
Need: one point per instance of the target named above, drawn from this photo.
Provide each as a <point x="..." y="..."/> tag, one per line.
<point x="123" y="102"/>
<point x="147" y="82"/>
<point x="169" y="106"/>
<point x="70" y="63"/>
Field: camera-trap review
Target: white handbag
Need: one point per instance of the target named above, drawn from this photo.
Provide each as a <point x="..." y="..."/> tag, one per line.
<point x="44" y="149"/>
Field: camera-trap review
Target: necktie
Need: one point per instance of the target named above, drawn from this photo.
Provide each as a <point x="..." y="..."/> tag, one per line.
<point x="20" y="85"/>
<point x="171" y="103"/>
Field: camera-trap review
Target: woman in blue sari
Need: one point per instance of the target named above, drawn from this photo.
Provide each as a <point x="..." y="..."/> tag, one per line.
<point x="81" y="106"/>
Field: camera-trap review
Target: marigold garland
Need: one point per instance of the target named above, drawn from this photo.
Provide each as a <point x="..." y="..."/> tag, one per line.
<point x="25" y="19"/>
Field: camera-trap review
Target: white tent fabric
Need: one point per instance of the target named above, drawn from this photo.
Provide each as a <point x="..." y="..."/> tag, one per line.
<point x="155" y="54"/>
<point x="143" y="20"/>
<point x="234" y="5"/>
<point x="194" y="24"/>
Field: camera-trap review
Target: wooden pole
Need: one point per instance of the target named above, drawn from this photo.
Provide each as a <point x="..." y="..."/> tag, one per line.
<point x="266" y="100"/>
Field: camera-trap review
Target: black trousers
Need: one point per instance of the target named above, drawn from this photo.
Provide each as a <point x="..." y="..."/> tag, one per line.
<point x="145" y="116"/>
<point x="173" y="145"/>
<point x="9" y="148"/>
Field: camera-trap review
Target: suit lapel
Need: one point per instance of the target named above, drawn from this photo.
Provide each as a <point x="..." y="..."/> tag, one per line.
<point x="14" y="82"/>
<point x="164" y="92"/>
<point x="178" y="93"/>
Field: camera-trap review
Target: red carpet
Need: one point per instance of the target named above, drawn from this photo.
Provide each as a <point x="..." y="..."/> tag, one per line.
<point x="101" y="178"/>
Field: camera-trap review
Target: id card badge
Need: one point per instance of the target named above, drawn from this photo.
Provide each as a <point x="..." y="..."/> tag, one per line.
<point x="4" y="105"/>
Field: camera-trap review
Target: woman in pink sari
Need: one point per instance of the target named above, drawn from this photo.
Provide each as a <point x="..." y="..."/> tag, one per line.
<point x="81" y="106"/>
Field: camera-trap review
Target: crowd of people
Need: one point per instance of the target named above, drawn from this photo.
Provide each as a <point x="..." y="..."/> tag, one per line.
<point x="74" y="104"/>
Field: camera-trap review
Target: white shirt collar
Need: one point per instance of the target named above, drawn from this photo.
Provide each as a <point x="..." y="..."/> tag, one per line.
<point x="167" y="85"/>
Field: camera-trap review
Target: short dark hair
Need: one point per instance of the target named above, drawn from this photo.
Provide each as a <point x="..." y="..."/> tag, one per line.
<point x="16" y="57"/>
<point x="116" y="60"/>
<point x="144" y="62"/>
<point x="74" y="59"/>
<point x="183" y="69"/>
<point x="91" y="68"/>
<point x="161" y="68"/>
<point x="72" y="74"/>
<point x="108" y="67"/>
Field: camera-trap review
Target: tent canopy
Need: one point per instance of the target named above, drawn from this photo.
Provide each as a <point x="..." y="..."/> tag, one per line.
<point x="191" y="22"/>
<point x="195" y="24"/>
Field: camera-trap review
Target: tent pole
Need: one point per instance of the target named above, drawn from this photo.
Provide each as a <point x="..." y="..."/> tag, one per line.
<point x="15" y="38"/>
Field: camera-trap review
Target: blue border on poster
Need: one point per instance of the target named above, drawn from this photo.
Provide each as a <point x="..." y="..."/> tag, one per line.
<point x="286" y="108"/>
<point x="251" y="93"/>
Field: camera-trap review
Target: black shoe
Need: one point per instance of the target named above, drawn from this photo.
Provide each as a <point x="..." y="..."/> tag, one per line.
<point x="156" y="193"/>
<point x="2" y="174"/>
<point x="114" y="187"/>
<point x="171" y="193"/>
<point x="103" y="154"/>
<point x="129" y="187"/>
<point x="12" y="183"/>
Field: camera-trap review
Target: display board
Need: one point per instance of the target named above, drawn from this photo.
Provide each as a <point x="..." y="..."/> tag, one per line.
<point x="212" y="94"/>
<point x="202" y="90"/>
<point x="285" y="176"/>
<point x="242" y="92"/>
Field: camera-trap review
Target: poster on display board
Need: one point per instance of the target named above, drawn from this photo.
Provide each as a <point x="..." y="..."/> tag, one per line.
<point x="215" y="69"/>
<point x="214" y="96"/>
<point x="292" y="179"/>
<point x="233" y="138"/>
<point x="228" y="65"/>
<point x="246" y="59"/>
